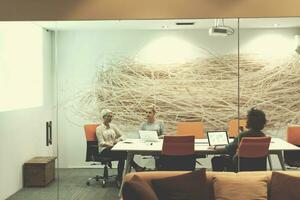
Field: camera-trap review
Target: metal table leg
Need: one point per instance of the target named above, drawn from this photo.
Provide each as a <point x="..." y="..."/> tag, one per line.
<point x="281" y="160"/>
<point x="127" y="168"/>
<point x="270" y="162"/>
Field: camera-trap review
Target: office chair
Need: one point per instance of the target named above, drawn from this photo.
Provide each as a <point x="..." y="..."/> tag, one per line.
<point x="252" y="153"/>
<point x="292" y="158"/>
<point x="92" y="155"/>
<point x="235" y="126"/>
<point x="190" y="128"/>
<point x="177" y="154"/>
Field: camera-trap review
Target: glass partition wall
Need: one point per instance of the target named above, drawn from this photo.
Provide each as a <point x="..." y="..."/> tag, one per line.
<point x="187" y="70"/>
<point x="269" y="81"/>
<point x="210" y="71"/>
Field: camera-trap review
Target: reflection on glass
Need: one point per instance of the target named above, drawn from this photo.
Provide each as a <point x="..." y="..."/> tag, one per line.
<point x="21" y="65"/>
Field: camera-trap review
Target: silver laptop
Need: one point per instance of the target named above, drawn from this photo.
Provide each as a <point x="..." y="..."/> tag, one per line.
<point x="148" y="136"/>
<point x="217" y="138"/>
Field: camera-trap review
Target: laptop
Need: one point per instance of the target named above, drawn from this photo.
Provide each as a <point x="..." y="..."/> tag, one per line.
<point x="148" y="136"/>
<point x="217" y="138"/>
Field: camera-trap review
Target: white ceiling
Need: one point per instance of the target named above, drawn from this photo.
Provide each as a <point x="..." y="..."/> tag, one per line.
<point x="168" y="24"/>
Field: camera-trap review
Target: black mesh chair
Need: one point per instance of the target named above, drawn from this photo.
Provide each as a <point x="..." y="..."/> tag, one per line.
<point x="292" y="159"/>
<point x="92" y="155"/>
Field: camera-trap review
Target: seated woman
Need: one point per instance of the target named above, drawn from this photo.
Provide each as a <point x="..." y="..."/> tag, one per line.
<point x="256" y="121"/>
<point x="108" y="135"/>
<point x="152" y="124"/>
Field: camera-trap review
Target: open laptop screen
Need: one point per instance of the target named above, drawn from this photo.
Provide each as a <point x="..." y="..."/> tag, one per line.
<point x="217" y="138"/>
<point x="149" y="136"/>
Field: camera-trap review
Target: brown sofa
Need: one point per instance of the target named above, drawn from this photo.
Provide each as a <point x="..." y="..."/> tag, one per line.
<point x="211" y="176"/>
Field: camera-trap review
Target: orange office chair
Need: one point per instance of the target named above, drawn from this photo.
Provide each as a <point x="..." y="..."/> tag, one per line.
<point x="234" y="127"/>
<point x="292" y="158"/>
<point x="92" y="154"/>
<point x="190" y="128"/>
<point x="252" y="153"/>
<point x="177" y="154"/>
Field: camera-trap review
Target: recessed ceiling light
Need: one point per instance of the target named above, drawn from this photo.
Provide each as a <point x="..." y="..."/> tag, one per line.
<point x="276" y="25"/>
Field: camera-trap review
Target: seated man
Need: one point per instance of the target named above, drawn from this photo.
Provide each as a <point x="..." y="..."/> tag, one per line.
<point x="256" y="121"/>
<point x="153" y="125"/>
<point x="108" y="135"/>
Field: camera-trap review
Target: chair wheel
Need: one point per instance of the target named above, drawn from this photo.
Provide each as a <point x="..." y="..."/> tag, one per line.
<point x="88" y="183"/>
<point x="103" y="183"/>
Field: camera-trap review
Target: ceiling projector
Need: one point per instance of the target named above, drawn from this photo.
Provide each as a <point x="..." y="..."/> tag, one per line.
<point x="220" y="31"/>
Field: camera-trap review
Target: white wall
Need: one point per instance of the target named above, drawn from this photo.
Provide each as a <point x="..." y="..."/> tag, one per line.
<point x="80" y="53"/>
<point x="22" y="132"/>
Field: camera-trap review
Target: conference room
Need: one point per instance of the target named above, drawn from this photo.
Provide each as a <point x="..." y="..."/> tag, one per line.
<point x="202" y="80"/>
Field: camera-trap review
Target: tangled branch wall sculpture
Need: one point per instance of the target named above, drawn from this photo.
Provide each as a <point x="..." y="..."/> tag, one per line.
<point x="203" y="90"/>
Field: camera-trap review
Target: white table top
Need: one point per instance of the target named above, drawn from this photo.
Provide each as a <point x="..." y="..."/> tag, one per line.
<point x="201" y="145"/>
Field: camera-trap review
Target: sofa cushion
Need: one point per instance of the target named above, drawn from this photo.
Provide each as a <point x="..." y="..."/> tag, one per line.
<point x="237" y="188"/>
<point x="284" y="186"/>
<point x="138" y="189"/>
<point x="189" y="186"/>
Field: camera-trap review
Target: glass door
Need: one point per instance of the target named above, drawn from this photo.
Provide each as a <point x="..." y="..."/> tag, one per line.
<point x="27" y="113"/>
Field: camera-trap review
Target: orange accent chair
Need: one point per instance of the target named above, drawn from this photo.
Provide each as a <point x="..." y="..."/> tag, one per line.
<point x="252" y="153"/>
<point x="190" y="128"/>
<point x="92" y="155"/>
<point x="235" y="126"/>
<point x="292" y="158"/>
<point x="178" y="154"/>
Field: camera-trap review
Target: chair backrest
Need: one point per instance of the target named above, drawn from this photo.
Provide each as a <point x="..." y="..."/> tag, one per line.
<point x="190" y="128"/>
<point x="254" y="147"/>
<point x="177" y="154"/>
<point x="292" y="158"/>
<point x="178" y="145"/>
<point x="235" y="125"/>
<point x="293" y="134"/>
<point x="90" y="132"/>
<point x="91" y="142"/>
<point x="252" y="153"/>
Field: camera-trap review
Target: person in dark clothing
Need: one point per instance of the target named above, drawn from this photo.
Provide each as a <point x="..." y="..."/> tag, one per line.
<point x="256" y="121"/>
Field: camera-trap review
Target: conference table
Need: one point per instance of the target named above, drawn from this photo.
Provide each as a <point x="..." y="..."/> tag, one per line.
<point x="139" y="147"/>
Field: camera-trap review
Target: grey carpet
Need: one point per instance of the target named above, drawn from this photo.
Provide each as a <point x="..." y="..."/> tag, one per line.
<point x="71" y="185"/>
